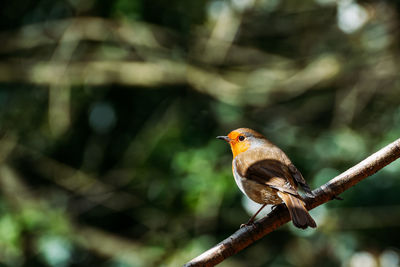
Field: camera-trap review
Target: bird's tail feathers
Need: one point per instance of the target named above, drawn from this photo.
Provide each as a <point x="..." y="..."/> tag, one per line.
<point x="297" y="210"/>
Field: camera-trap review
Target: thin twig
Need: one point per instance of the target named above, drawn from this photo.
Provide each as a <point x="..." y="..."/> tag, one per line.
<point x="279" y="216"/>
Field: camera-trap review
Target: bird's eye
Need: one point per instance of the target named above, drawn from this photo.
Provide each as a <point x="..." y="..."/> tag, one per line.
<point x="241" y="138"/>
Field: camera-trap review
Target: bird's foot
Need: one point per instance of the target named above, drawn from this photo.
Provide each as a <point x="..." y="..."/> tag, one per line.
<point x="246" y="224"/>
<point x="310" y="195"/>
<point x="250" y="222"/>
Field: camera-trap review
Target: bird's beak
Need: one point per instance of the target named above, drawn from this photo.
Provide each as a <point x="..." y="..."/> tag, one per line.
<point x="226" y="138"/>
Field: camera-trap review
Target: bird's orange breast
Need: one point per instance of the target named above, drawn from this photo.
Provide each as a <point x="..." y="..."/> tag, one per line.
<point x="239" y="147"/>
<point x="236" y="145"/>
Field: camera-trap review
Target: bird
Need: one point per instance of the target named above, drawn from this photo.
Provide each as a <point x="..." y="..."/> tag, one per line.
<point x="265" y="174"/>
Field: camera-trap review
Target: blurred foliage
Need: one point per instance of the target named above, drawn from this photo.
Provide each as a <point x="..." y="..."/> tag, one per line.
<point x="110" y="111"/>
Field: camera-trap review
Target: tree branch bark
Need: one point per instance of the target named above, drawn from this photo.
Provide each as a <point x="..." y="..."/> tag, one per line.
<point x="279" y="216"/>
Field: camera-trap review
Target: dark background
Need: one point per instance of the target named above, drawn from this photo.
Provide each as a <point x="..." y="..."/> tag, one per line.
<point x="109" y="112"/>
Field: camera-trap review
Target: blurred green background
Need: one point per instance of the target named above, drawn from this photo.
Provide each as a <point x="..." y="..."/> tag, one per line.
<point x="109" y="112"/>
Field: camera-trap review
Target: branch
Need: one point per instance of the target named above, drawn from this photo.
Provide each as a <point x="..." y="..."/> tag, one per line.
<point x="279" y="216"/>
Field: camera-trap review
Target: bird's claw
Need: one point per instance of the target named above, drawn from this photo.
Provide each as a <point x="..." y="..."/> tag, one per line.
<point x="310" y="195"/>
<point x="250" y="222"/>
<point x="246" y="224"/>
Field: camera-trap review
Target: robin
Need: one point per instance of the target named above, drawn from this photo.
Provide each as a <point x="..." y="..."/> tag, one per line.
<point x="266" y="175"/>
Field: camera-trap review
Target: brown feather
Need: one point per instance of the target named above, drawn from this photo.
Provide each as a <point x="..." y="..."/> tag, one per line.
<point x="297" y="210"/>
<point x="269" y="171"/>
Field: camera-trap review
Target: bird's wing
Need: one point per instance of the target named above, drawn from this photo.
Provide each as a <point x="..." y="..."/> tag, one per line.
<point x="270" y="170"/>
<point x="294" y="172"/>
<point x="299" y="179"/>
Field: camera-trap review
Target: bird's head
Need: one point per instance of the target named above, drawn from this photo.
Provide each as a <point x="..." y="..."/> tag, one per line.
<point x="242" y="139"/>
